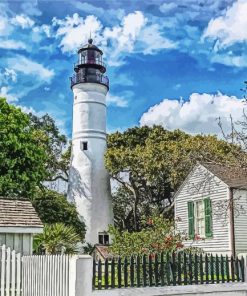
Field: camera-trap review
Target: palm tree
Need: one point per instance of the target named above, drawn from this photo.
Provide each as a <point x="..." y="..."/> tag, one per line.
<point x="57" y="239"/>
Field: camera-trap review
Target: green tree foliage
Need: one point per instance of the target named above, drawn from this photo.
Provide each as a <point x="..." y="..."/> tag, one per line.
<point x="157" y="235"/>
<point x="150" y="163"/>
<point x="32" y="151"/>
<point x="53" y="207"/>
<point x="22" y="154"/>
<point x="55" y="145"/>
<point x="57" y="239"/>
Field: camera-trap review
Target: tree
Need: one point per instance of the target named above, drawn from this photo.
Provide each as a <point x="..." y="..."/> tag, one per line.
<point x="23" y="156"/>
<point x="56" y="147"/>
<point x="57" y="239"/>
<point x="32" y="150"/>
<point x="157" y="235"/>
<point x="150" y="163"/>
<point x="53" y="207"/>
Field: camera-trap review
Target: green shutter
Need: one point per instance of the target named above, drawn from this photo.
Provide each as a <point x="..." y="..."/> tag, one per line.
<point x="191" y="219"/>
<point x="208" y="217"/>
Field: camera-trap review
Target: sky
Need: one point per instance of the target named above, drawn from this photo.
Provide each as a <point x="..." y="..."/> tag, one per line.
<point x="178" y="63"/>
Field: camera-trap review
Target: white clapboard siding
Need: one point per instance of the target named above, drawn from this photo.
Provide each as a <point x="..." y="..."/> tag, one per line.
<point x="240" y="220"/>
<point x="194" y="189"/>
<point x="45" y="275"/>
<point x="10" y="272"/>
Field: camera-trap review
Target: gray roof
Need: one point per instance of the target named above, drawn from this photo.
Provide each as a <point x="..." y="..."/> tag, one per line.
<point x="234" y="177"/>
<point x="18" y="213"/>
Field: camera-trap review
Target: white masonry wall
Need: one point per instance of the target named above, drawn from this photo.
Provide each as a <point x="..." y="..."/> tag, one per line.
<point x="89" y="182"/>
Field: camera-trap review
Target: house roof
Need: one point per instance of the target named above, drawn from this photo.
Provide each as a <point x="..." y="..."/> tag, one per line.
<point x="234" y="177"/>
<point x="103" y="251"/>
<point x="18" y="213"/>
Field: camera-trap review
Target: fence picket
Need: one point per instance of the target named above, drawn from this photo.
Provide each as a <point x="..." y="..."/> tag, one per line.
<point x="8" y="259"/>
<point x="179" y="268"/>
<point x="217" y="269"/>
<point x="144" y="271"/>
<point x="212" y="268"/>
<point x="125" y="272"/>
<point x="119" y="274"/>
<point x="232" y="269"/>
<point x="106" y="273"/>
<point x="201" y="269"/>
<point x="190" y="270"/>
<point x="227" y="270"/>
<point x="206" y="268"/>
<point x="3" y="270"/>
<point x="162" y="271"/>
<point x="138" y="275"/>
<point x="196" y="268"/>
<point x="168" y="270"/>
<point x="237" y="268"/>
<point x="222" y="269"/>
<point x="150" y="270"/>
<point x="113" y="273"/>
<point x="185" y="269"/>
<point x="242" y="268"/>
<point x="132" y="271"/>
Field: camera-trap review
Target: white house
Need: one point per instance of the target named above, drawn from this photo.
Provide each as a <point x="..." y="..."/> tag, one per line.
<point x="18" y="223"/>
<point x="211" y="208"/>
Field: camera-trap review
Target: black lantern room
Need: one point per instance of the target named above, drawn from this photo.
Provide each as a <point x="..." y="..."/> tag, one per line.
<point x="90" y="67"/>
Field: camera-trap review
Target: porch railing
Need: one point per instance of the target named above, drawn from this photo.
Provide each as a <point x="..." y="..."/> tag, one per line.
<point x="166" y="270"/>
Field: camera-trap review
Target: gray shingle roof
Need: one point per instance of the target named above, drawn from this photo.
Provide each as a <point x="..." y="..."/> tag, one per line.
<point x="18" y="213"/>
<point x="234" y="177"/>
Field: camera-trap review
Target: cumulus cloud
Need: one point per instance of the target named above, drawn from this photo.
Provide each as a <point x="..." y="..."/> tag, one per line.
<point x="116" y="101"/>
<point x="197" y="115"/>
<point x="75" y="30"/>
<point x="135" y="33"/>
<point x="23" y="21"/>
<point x="230" y="27"/>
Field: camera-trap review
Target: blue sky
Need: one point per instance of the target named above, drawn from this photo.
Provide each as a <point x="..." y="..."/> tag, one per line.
<point x="176" y="63"/>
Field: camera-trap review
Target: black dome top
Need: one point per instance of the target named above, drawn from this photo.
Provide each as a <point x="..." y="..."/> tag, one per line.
<point x="90" y="45"/>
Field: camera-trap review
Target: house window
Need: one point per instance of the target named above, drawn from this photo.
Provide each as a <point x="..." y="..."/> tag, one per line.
<point x="103" y="239"/>
<point x="200" y="218"/>
<point x="84" y="146"/>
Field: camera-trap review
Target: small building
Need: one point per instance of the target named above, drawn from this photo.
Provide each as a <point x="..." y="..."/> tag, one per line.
<point x="101" y="252"/>
<point x="18" y="223"/>
<point x="211" y="208"/>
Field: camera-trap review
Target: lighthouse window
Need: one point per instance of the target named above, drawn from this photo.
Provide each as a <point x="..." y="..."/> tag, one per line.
<point x="103" y="239"/>
<point x="84" y="146"/>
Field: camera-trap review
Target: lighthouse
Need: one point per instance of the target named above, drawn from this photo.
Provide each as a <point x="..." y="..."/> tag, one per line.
<point x="89" y="182"/>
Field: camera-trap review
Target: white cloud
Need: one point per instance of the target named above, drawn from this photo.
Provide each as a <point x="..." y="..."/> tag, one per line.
<point x="10" y="74"/>
<point x="12" y="44"/>
<point x="75" y="30"/>
<point x="116" y="101"/>
<point x="197" y="115"/>
<point x="230" y="27"/>
<point x="167" y="7"/>
<point x="23" y="21"/>
<point x="29" y="67"/>
<point x="4" y="93"/>
<point x="134" y="34"/>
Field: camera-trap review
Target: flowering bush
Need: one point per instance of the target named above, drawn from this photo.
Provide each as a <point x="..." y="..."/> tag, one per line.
<point x="158" y="235"/>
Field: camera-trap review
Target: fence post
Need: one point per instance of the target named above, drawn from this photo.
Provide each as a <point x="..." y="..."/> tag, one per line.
<point x="245" y="264"/>
<point x="80" y="275"/>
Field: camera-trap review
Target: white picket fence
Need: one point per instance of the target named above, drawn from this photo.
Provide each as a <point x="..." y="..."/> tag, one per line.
<point x="45" y="275"/>
<point x="10" y="272"/>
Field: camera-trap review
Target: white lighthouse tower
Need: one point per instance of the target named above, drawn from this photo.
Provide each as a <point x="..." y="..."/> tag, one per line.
<point x="89" y="183"/>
